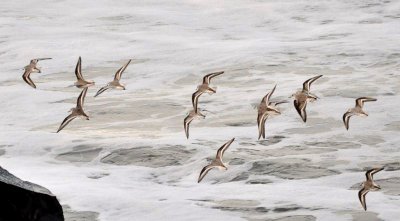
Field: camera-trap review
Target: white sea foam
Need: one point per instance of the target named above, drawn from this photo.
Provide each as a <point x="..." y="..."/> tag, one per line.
<point x="172" y="44"/>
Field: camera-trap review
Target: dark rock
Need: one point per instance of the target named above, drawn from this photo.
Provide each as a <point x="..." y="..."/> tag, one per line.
<point x="24" y="201"/>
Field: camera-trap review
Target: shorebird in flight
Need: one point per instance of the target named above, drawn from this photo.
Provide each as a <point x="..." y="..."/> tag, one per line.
<point x="368" y="185"/>
<point x="189" y="118"/>
<point x="266" y="109"/>
<point x="204" y="88"/>
<point x="302" y="97"/>
<point x="81" y="82"/>
<point x="76" y="111"/>
<point x="357" y="110"/>
<point x="32" y="68"/>
<point x="115" y="83"/>
<point x="217" y="162"/>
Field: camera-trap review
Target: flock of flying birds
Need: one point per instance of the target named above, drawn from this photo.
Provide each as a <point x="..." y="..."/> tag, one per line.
<point x="80" y="83"/>
<point x="266" y="108"/>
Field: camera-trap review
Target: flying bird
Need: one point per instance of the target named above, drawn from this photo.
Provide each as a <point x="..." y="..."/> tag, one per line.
<point x="189" y="118"/>
<point x="115" y="84"/>
<point x="81" y="82"/>
<point x="357" y="110"/>
<point x="266" y="109"/>
<point x="302" y="97"/>
<point x="32" y="68"/>
<point x="204" y="88"/>
<point x="368" y="185"/>
<point x="217" y="162"/>
<point x="76" y="111"/>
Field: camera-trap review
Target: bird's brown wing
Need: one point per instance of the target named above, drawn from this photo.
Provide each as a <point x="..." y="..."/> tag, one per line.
<point x="204" y="172"/>
<point x="207" y="78"/>
<point x="66" y="121"/>
<point x="307" y="83"/>
<point x="118" y="74"/>
<point x="27" y="78"/>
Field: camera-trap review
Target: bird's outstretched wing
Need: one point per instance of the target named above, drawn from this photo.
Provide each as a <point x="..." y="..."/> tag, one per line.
<point x="221" y="150"/>
<point x="267" y="97"/>
<point x="36" y="60"/>
<point x="66" y="121"/>
<point x="370" y="173"/>
<point x="186" y="123"/>
<point x="81" y="99"/>
<point x="301" y="109"/>
<point x="361" y="196"/>
<point x="207" y="78"/>
<point x="263" y="125"/>
<point x="360" y="101"/>
<point x="261" y="118"/>
<point x="41" y="59"/>
<point x="78" y="70"/>
<point x="307" y="83"/>
<point x="101" y="90"/>
<point x="346" y="119"/>
<point x="204" y="172"/>
<point x="27" y="78"/>
<point x="118" y="74"/>
<point x="195" y="98"/>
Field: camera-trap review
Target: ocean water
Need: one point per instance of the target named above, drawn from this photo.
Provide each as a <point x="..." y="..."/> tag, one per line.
<point x="131" y="160"/>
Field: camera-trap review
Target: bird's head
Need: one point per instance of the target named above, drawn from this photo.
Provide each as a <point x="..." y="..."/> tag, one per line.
<point x="293" y="95"/>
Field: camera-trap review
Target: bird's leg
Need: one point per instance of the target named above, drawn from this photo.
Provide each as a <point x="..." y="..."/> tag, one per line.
<point x="205" y="110"/>
<point x="211" y="90"/>
<point x="201" y="115"/>
<point x="38" y="69"/>
<point x="312" y="97"/>
<point x="377" y="186"/>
